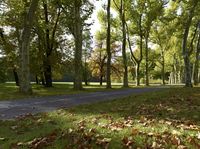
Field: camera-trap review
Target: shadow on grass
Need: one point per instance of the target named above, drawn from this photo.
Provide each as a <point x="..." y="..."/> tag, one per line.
<point x="140" y="120"/>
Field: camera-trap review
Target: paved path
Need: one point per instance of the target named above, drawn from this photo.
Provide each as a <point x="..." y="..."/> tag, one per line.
<point x="14" y="108"/>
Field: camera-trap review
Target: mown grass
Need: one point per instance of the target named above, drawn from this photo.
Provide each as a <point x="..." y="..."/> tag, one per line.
<point x="166" y="119"/>
<point x="8" y="91"/>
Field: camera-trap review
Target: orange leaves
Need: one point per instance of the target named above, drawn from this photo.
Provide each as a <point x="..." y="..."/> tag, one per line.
<point x="37" y="143"/>
<point x="128" y="142"/>
<point x="103" y="142"/>
<point x="175" y="140"/>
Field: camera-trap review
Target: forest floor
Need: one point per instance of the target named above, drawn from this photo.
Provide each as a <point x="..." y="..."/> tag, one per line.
<point x="168" y="118"/>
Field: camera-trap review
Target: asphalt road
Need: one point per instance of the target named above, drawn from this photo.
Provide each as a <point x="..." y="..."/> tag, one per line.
<point x="12" y="109"/>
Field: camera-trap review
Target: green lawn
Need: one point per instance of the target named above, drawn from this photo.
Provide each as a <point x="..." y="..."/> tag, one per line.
<point x="9" y="91"/>
<point x="165" y="119"/>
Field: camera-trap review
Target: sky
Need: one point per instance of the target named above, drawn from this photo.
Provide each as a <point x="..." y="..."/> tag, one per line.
<point x="96" y="25"/>
<point x="98" y="6"/>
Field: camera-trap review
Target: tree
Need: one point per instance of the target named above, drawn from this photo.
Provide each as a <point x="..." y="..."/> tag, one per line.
<point x="77" y="12"/>
<point x="86" y="54"/>
<point x="197" y="57"/>
<point x="185" y="49"/>
<point x="120" y="6"/>
<point x="108" y="70"/>
<point x="25" y="86"/>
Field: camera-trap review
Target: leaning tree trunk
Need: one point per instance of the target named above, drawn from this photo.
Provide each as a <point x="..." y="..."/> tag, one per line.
<point x="196" y="65"/>
<point x="25" y="86"/>
<point x="78" y="46"/>
<point x="186" y="56"/>
<point x="108" y="49"/>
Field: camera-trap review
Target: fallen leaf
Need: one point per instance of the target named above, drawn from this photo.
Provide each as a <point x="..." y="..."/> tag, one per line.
<point x="175" y="140"/>
<point x="2" y="139"/>
<point x="135" y="131"/>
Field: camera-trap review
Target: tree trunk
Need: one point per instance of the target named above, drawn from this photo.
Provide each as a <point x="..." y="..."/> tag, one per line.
<point x="16" y="77"/>
<point x="196" y="65"/>
<point x="47" y="64"/>
<point x="108" y="70"/>
<point x="146" y="61"/>
<point x="25" y="86"/>
<point x="186" y="55"/>
<point x="85" y="74"/>
<point x="36" y="79"/>
<point x="47" y="73"/>
<point x="42" y="79"/>
<point x="137" y="72"/>
<point x="122" y="12"/>
<point x="78" y="46"/>
<point x="101" y="80"/>
<point x="163" y="67"/>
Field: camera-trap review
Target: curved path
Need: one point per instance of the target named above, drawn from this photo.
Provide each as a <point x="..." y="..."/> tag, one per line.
<point x="15" y="108"/>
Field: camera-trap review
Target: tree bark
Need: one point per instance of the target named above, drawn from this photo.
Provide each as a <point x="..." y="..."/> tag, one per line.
<point x="136" y="61"/>
<point x="146" y="61"/>
<point x="122" y="14"/>
<point x="101" y="80"/>
<point x="36" y="80"/>
<point x="78" y="46"/>
<point x="108" y="49"/>
<point x="137" y="72"/>
<point x="85" y="74"/>
<point x="186" y="56"/>
<point x="25" y="86"/>
<point x="16" y="76"/>
<point x="196" y="65"/>
<point x="47" y="64"/>
<point x="163" y="67"/>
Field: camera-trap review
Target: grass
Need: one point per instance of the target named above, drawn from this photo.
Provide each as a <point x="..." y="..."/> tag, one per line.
<point x="8" y="91"/>
<point x="164" y="119"/>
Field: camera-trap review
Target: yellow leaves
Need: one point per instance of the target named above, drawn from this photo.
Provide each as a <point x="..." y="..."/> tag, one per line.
<point x="182" y="147"/>
<point x="142" y="119"/>
<point x="198" y="135"/>
<point x="134" y="131"/>
<point x="175" y="132"/>
<point x="156" y="145"/>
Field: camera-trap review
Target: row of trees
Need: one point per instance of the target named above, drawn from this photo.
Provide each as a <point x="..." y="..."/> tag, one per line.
<point x="47" y="38"/>
<point x="162" y="35"/>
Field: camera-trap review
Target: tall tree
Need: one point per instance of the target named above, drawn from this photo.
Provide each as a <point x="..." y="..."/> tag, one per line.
<point x="120" y="6"/>
<point x="197" y="57"/>
<point x="185" y="49"/>
<point x="49" y="43"/>
<point x="25" y="86"/>
<point x="77" y="12"/>
<point x="108" y="49"/>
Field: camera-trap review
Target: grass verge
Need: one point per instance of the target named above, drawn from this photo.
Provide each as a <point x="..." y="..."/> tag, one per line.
<point x="9" y="91"/>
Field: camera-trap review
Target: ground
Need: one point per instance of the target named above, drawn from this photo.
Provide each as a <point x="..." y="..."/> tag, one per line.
<point x="9" y="91"/>
<point x="166" y="119"/>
